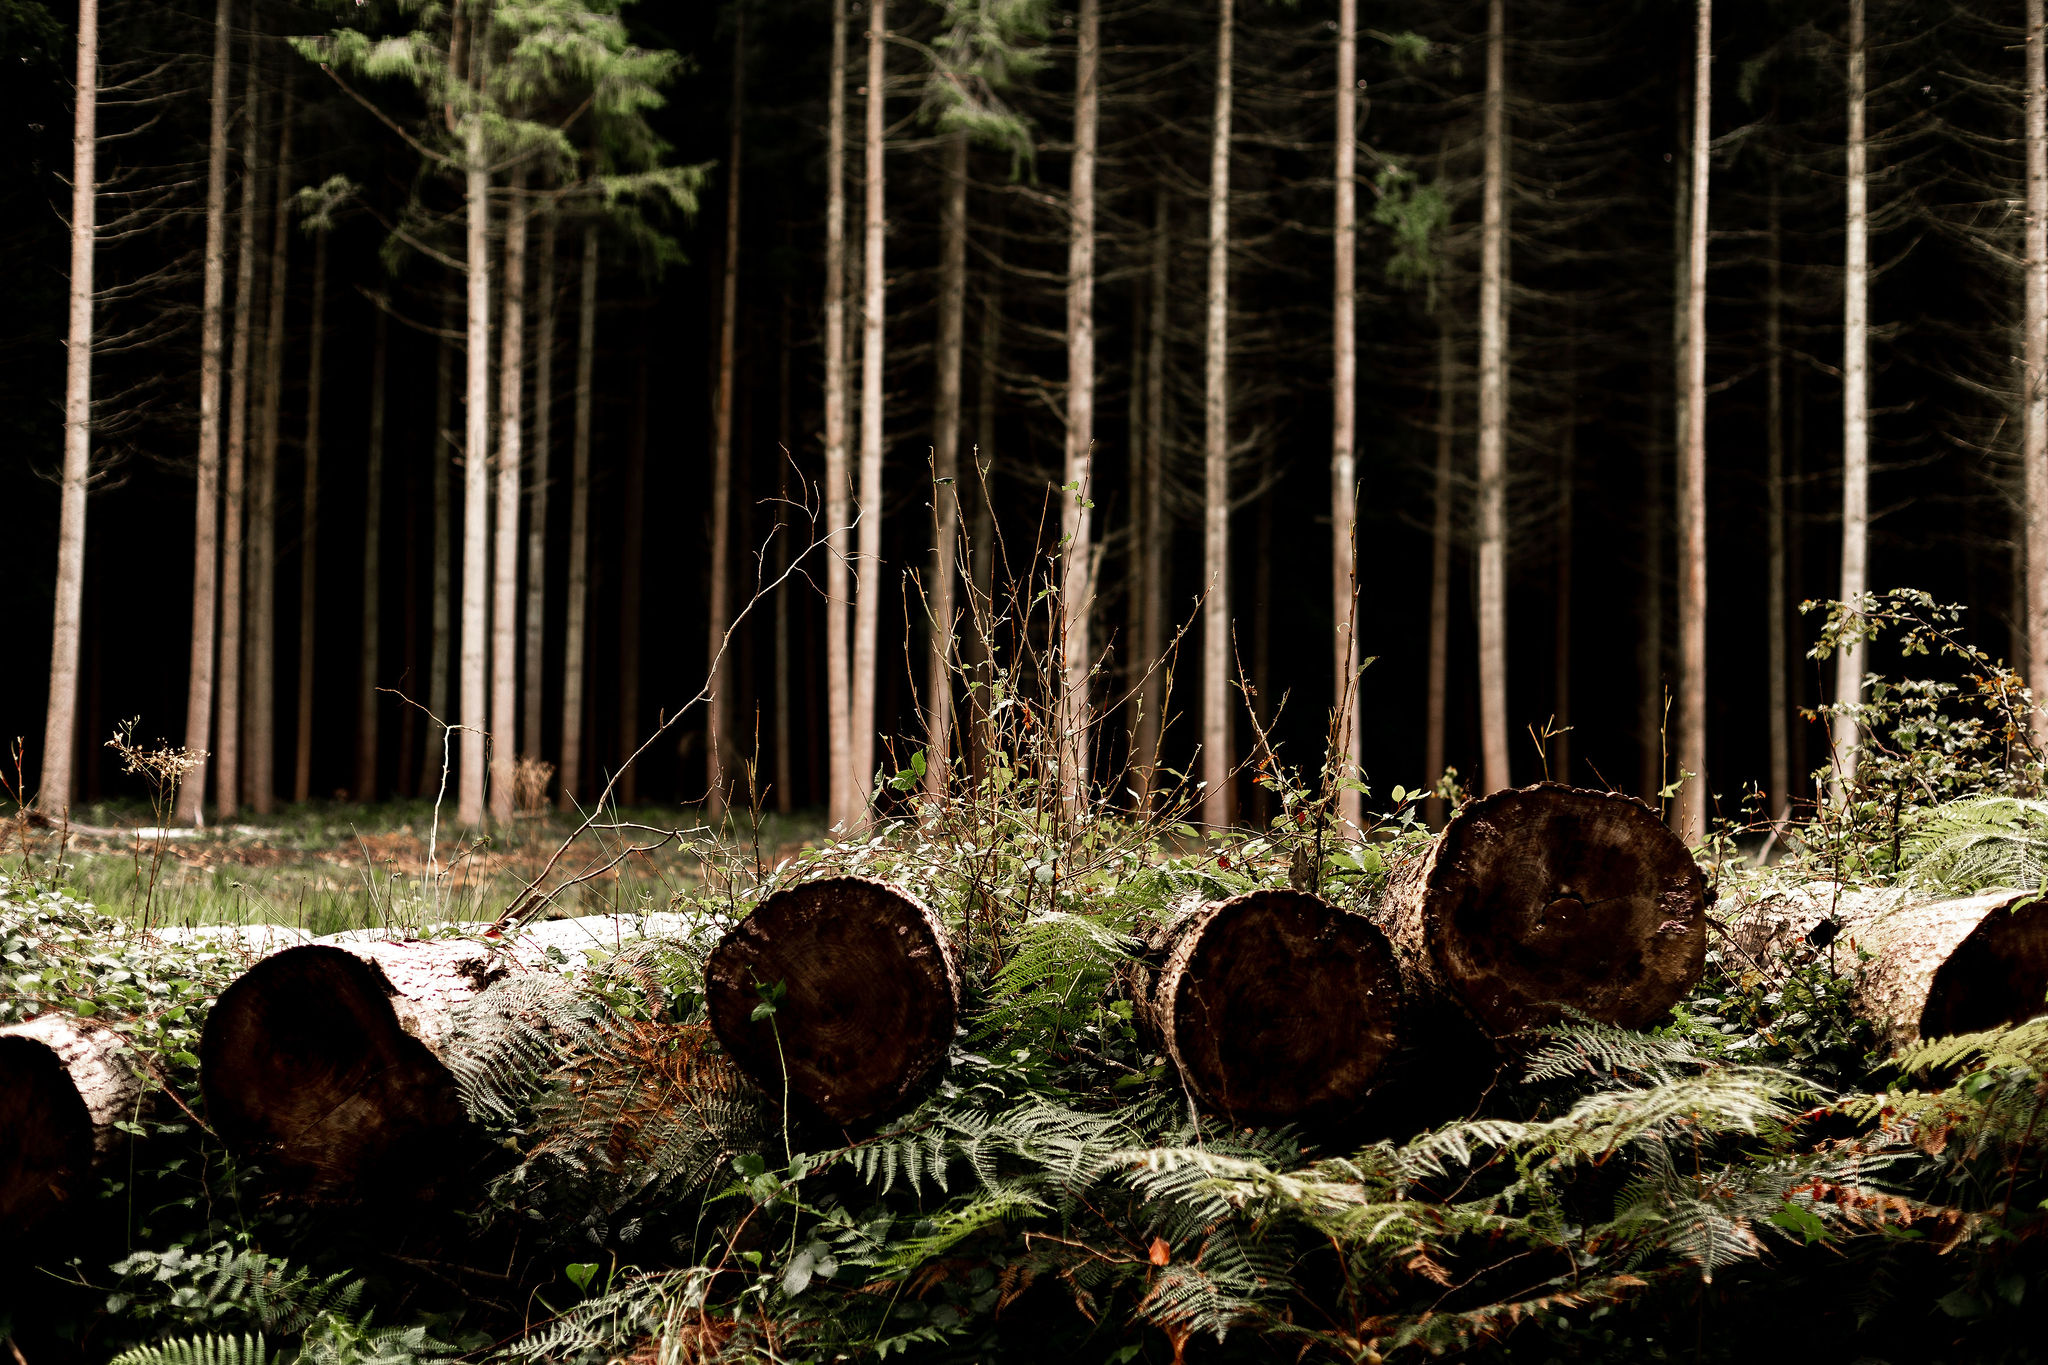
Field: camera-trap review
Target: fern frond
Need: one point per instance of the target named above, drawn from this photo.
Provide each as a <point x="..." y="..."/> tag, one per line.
<point x="200" y="1350"/>
<point x="1979" y="842"/>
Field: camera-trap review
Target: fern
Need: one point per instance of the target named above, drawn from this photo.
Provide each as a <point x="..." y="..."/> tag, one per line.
<point x="1978" y="842"/>
<point x="201" y="1350"/>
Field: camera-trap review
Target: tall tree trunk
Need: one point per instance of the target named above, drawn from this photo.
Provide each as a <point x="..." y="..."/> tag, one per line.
<point x="719" y="712"/>
<point x="1347" y="762"/>
<point x="55" y="795"/>
<point x="946" y="464"/>
<point x="630" y="555"/>
<point x="576" y="610"/>
<point x="1077" y="538"/>
<point x="441" y="613"/>
<point x="981" y="547"/>
<point x="309" y="530"/>
<point x="1561" y="634"/>
<point x="1440" y="572"/>
<point x="838" y="472"/>
<point x="191" y="809"/>
<point x="2035" y="429"/>
<point x="409" y="606"/>
<point x="1775" y="620"/>
<point x="476" y="477"/>
<point x="505" y="558"/>
<point x="534" y="685"/>
<point x="259" y="768"/>
<point x="1154" y="544"/>
<point x="1690" y="816"/>
<point x="1846" y="731"/>
<point x="227" y="786"/>
<point x="1493" y="416"/>
<point x="785" y="434"/>
<point x="373" y="565"/>
<point x="1216" y="748"/>
<point x="867" y="605"/>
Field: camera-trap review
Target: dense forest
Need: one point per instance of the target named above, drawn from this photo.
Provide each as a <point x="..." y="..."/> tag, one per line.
<point x="1577" y="344"/>
<point x="975" y="680"/>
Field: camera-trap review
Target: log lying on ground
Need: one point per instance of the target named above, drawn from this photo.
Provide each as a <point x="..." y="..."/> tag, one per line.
<point x="870" y="991"/>
<point x="1547" y="900"/>
<point x="1273" y="1006"/>
<point x="1937" y="968"/>
<point x="326" y="1062"/>
<point x="64" y="1083"/>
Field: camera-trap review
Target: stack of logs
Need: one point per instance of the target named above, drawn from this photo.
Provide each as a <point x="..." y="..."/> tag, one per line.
<point x="335" y="1064"/>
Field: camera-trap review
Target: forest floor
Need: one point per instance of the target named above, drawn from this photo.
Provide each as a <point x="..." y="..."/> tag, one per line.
<point x="329" y="866"/>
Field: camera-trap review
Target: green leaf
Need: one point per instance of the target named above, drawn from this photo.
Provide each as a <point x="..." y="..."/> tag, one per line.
<point x="580" y="1274"/>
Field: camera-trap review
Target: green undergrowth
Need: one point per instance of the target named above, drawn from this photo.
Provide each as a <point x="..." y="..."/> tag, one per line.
<point x="1751" y="1179"/>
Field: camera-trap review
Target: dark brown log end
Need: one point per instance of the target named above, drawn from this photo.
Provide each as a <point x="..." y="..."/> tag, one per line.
<point x="1277" y="1006"/>
<point x="306" y="1064"/>
<point x="871" y="995"/>
<point x="1997" y="975"/>
<point x="45" y="1138"/>
<point x="1553" y="899"/>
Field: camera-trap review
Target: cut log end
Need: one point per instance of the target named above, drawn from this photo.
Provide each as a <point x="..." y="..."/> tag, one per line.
<point x="319" y="1061"/>
<point x="1957" y="966"/>
<point x="1552" y="900"/>
<point x="869" y="996"/>
<point x="1275" y="1006"/>
<point x="64" y="1083"/>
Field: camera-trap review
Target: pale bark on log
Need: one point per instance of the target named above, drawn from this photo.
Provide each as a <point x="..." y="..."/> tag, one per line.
<point x="64" y="1083"/>
<point x="328" y="1063"/>
<point x="1937" y="967"/>
<point x="870" y="993"/>
<point x="1273" y="1006"/>
<point x="1545" y="901"/>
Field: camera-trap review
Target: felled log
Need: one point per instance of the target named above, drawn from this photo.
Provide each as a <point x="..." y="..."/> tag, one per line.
<point x="845" y="990"/>
<point x="1273" y="1006"/>
<point x="1937" y="967"/>
<point x="1547" y="900"/>
<point x="327" y="1063"/>
<point x="64" y="1084"/>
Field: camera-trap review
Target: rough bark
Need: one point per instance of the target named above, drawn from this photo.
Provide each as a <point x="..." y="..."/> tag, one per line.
<point x="1155" y="543"/>
<point x="1493" y="414"/>
<point x="1274" y="1006"/>
<point x="259" y="711"/>
<point x="1215" y="734"/>
<point x="576" y="612"/>
<point x="1936" y="968"/>
<point x="1348" y="758"/>
<point x="373" y="565"/>
<point x="869" y="990"/>
<point x="505" y="538"/>
<point x="441" y="612"/>
<point x="2035" y="351"/>
<point x="1077" y="536"/>
<point x="1433" y="761"/>
<point x="328" y="1063"/>
<point x="867" y="601"/>
<point x="533" y="683"/>
<point x="719" y="709"/>
<point x="1548" y="899"/>
<point x="1689" y="816"/>
<point x="838" y="473"/>
<point x="191" y="809"/>
<point x="227" y="783"/>
<point x="309" y="531"/>
<point x="940" y="656"/>
<point x="64" y="1083"/>
<point x="476" y="481"/>
<point x="62" y="718"/>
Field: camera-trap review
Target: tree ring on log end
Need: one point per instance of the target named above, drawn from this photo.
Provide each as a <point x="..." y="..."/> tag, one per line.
<point x="870" y="995"/>
<point x="1552" y="898"/>
<point x="307" y="1063"/>
<point x="1277" y="1006"/>
<point x="45" y="1137"/>
<point x="1997" y="975"/>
